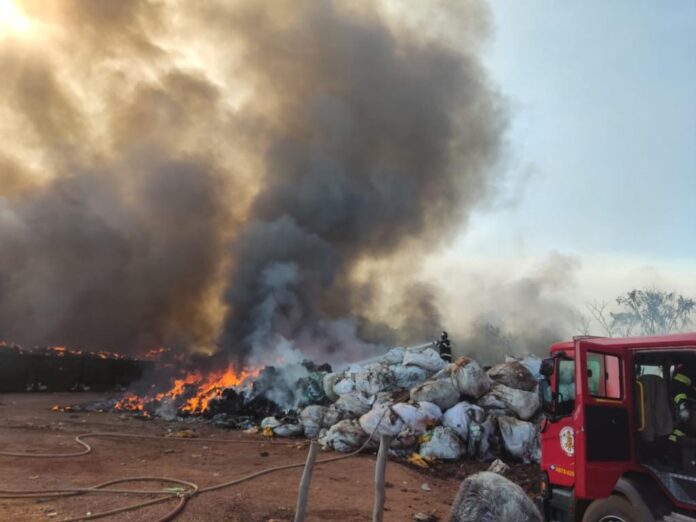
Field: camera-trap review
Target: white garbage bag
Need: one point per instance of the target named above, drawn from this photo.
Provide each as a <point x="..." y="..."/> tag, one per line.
<point x="406" y="440"/>
<point x="443" y="393"/>
<point x="407" y="377"/>
<point x="345" y="436"/>
<point x="344" y="386"/>
<point x="427" y="359"/>
<point x="471" y="379"/>
<point x="394" y="356"/>
<point x="491" y="497"/>
<point x="376" y="380"/>
<point x="353" y="405"/>
<point x="330" y="380"/>
<point x="270" y="422"/>
<point x="381" y="420"/>
<point x="520" y="438"/>
<point x="523" y="404"/>
<point x="331" y="416"/>
<point x="288" y="429"/>
<point x="513" y="374"/>
<point x="460" y="416"/>
<point x="531" y="362"/>
<point x="444" y="444"/>
<point x="419" y="417"/>
<point x="312" y="418"/>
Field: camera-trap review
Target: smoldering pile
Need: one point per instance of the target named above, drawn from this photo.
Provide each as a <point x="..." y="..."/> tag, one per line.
<point x="429" y="408"/>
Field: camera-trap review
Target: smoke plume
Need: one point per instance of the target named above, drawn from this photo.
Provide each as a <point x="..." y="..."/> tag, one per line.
<point x="213" y="175"/>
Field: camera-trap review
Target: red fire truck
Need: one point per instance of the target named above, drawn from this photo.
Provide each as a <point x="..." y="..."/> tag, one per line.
<point x="606" y="449"/>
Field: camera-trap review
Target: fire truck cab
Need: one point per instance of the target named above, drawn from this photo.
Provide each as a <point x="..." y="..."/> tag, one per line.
<point x="606" y="449"/>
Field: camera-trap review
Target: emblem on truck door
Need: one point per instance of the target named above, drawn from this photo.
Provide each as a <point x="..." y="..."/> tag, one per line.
<point x="567" y="437"/>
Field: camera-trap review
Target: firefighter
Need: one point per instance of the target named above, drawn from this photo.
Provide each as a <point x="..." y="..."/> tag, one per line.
<point x="684" y="403"/>
<point x="444" y="346"/>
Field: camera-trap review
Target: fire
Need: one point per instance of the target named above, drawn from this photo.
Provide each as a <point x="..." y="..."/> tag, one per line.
<point x="194" y="390"/>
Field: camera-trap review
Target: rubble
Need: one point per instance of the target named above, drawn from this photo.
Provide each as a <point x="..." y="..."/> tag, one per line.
<point x="430" y="409"/>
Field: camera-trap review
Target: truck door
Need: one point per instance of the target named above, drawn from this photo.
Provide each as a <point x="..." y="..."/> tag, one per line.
<point x="603" y="442"/>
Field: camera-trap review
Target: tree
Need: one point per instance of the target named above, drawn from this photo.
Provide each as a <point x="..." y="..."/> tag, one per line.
<point x="645" y="312"/>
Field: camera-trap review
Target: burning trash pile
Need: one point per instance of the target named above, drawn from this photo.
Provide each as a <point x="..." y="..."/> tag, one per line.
<point x="430" y="408"/>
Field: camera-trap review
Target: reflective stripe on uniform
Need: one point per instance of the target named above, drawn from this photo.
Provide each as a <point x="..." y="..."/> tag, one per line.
<point x="680" y="397"/>
<point x="680" y="377"/>
<point x="676" y="433"/>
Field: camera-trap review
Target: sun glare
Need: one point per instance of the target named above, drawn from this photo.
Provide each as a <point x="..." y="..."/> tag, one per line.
<point x="12" y="19"/>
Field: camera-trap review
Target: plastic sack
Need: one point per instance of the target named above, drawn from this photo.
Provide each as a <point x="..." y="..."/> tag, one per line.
<point x="344" y="386"/>
<point x="270" y="422"/>
<point x="471" y="379"/>
<point x="460" y="416"/>
<point x="376" y="380"/>
<point x="381" y="420"/>
<point x="419" y="417"/>
<point x="443" y="393"/>
<point x="531" y="362"/>
<point x="345" y="436"/>
<point x="520" y="438"/>
<point x="331" y="416"/>
<point x="522" y="403"/>
<point x="513" y="374"/>
<point x="394" y="356"/>
<point x="353" y="405"/>
<point x="407" y="377"/>
<point x="427" y="359"/>
<point x="444" y="444"/>
<point x="490" y="496"/>
<point x="330" y="380"/>
<point x="288" y="430"/>
<point x="312" y="418"/>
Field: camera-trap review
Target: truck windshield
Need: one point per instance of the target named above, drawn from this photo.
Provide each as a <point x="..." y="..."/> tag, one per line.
<point x="566" y="386"/>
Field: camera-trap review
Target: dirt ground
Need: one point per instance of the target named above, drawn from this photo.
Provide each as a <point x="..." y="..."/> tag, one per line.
<point x="340" y="490"/>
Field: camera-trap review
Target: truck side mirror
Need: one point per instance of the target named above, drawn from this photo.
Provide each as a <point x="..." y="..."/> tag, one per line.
<point x="546" y="368"/>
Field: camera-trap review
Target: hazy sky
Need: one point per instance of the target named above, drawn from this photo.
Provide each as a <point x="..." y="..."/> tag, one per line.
<point x="603" y="131"/>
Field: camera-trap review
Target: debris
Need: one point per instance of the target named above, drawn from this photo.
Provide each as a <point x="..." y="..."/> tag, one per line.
<point x="441" y="392"/>
<point x="421" y="461"/>
<point x="444" y="444"/>
<point x="513" y="374"/>
<point x="182" y="434"/>
<point x="499" y="467"/>
<point x="427" y="359"/>
<point x="520" y="439"/>
<point x="471" y="380"/>
<point x="425" y="487"/>
<point x="352" y="405"/>
<point x="523" y="403"/>
<point x="460" y="416"/>
<point x="419" y="417"/>
<point x="423" y="517"/>
<point x="382" y="420"/>
<point x="345" y="436"/>
<point x="312" y="418"/>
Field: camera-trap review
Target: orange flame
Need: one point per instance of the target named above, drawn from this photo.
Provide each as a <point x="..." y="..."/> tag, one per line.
<point x="197" y="389"/>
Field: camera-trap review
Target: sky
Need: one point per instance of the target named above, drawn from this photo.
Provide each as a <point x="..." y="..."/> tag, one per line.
<point x="602" y="142"/>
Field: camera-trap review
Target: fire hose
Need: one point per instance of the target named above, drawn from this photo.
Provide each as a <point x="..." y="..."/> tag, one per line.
<point x="181" y="493"/>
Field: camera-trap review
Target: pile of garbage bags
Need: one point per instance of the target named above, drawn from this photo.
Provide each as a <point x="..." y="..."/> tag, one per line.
<point x="427" y="406"/>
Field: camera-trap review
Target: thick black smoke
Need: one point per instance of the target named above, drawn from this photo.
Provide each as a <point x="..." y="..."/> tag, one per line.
<point x="194" y="174"/>
<point x="378" y="137"/>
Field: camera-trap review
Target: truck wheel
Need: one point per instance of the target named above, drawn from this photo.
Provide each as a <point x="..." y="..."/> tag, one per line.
<point x="612" y="509"/>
